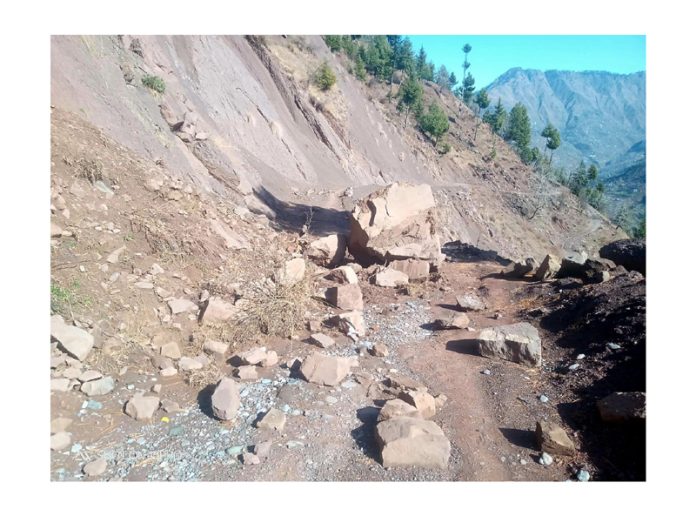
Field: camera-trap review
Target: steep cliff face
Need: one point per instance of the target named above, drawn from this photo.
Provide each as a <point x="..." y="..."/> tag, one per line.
<point x="240" y="117"/>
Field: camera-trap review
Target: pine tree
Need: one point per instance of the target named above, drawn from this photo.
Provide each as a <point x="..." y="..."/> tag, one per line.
<point x="553" y="139"/>
<point x="410" y="95"/>
<point x="333" y="42"/>
<point x="421" y="63"/>
<point x="482" y="102"/>
<point x="468" y="88"/>
<point x="359" y="69"/>
<point x="452" y="80"/>
<point x="442" y="78"/>
<point x="434" y="122"/>
<point x="519" y="128"/>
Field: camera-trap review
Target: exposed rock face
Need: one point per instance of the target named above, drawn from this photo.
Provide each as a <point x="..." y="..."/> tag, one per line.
<point x="75" y="341"/>
<point x="325" y="370"/>
<point x="518" y="342"/>
<point x="548" y="268"/>
<point x="553" y="439"/>
<point x="396" y="222"/>
<point x="470" y="303"/>
<point x="389" y="277"/>
<point x="225" y="399"/>
<point x="409" y="441"/>
<point x="416" y="270"/>
<point x="622" y="407"/>
<point x="629" y="253"/>
<point x="327" y="251"/>
<point x="345" y="297"/>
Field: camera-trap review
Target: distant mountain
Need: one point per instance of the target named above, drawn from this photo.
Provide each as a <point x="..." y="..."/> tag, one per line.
<point x="600" y="115"/>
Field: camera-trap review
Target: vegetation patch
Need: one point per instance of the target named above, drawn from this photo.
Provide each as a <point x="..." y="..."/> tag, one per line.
<point x="154" y="82"/>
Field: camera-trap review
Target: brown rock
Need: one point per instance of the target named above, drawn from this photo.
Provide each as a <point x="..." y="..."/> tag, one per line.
<point x="253" y="356"/>
<point x="416" y="270"/>
<point x="553" y="439"/>
<point x="549" y="268"/>
<point x="518" y="342"/>
<point x="250" y="459"/>
<point x="217" y="309"/>
<point x="214" y="346"/>
<point x="263" y="449"/>
<point x="404" y="383"/>
<point x="178" y="306"/>
<point x="247" y="372"/>
<point x="453" y="322"/>
<point x="622" y="406"/>
<point x="95" y="468"/>
<point x="470" y="303"/>
<point x="345" y="297"/>
<point x="270" y="360"/>
<point x="409" y="441"/>
<point x="344" y="274"/>
<point x="424" y="402"/>
<point x="397" y="408"/>
<point x="75" y="341"/>
<point x="321" y="340"/>
<point x="327" y="251"/>
<point x="351" y="320"/>
<point x="170" y="350"/>
<point x="60" y="441"/>
<point x="390" y="278"/>
<point x="325" y="370"/>
<point x="60" y="424"/>
<point x="225" y="399"/>
<point x="291" y="273"/>
<point x="380" y="350"/>
<point x="274" y="419"/>
<point x="141" y="407"/>
<point x="189" y="364"/>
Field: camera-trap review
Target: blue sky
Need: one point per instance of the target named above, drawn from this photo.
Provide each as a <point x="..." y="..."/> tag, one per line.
<point x="491" y="56"/>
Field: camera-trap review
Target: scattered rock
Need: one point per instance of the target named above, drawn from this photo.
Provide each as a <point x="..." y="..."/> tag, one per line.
<point x="214" y="346"/>
<point x="397" y="408"/>
<point x="543" y="399"/>
<point x="247" y="373"/>
<point x="95" y="468"/>
<point x="519" y="269"/>
<point x="416" y="270"/>
<point x="345" y="297"/>
<point x="404" y="383"/>
<point x="545" y="459"/>
<point x="321" y="340"/>
<point x="189" y="364"/>
<point x="518" y="342"/>
<point x="114" y="256"/>
<point x="291" y="273"/>
<point x="390" y="278"/>
<point x="168" y="371"/>
<point x="344" y="274"/>
<point x="75" y="341"/>
<point x="409" y="441"/>
<point x="178" y="306"/>
<point x="470" y="303"/>
<point x="327" y="251"/>
<point x="263" y="449"/>
<point x="622" y="407"/>
<point x="324" y="369"/>
<point x="217" y="309"/>
<point x="56" y="230"/>
<point x="250" y="459"/>
<point x="453" y="322"/>
<point x="551" y="438"/>
<point x="60" y="384"/>
<point x="170" y="406"/>
<point x="380" y="350"/>
<point x="274" y="419"/>
<point x="572" y="266"/>
<point x="270" y="360"/>
<point x="170" y="350"/>
<point x="225" y="399"/>
<point x="60" y="441"/>
<point x="583" y="476"/>
<point x="253" y="356"/>
<point x="141" y="407"/>
<point x="98" y="387"/>
<point x="60" y="424"/>
<point x="351" y="322"/>
<point x="549" y="268"/>
<point x="424" y="402"/>
<point x="89" y="375"/>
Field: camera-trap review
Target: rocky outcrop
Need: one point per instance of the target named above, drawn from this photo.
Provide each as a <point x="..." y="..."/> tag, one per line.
<point x="629" y="253"/>
<point x="395" y="223"/>
<point x="518" y="342"/>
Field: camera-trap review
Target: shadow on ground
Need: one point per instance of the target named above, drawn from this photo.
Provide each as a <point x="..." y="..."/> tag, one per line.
<point x="522" y="438"/>
<point x="464" y="346"/>
<point x="205" y="401"/>
<point x="364" y="435"/>
<point x="292" y="217"/>
<point x="459" y="251"/>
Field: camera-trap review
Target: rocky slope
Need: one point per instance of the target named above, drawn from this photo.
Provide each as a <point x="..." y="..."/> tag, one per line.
<point x="258" y="131"/>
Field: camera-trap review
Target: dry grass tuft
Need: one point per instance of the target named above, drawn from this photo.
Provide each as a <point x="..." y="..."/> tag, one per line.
<point x="204" y="377"/>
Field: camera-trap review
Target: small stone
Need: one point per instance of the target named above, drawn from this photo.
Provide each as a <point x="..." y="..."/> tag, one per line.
<point x="60" y="384"/>
<point x="274" y="419"/>
<point x="380" y="350"/>
<point x="545" y="459"/>
<point x="170" y="406"/>
<point x="523" y="462"/>
<point x="580" y="356"/>
<point x="75" y="341"/>
<point x="189" y="364"/>
<point x="543" y="399"/>
<point x="155" y="269"/>
<point x="144" y="285"/>
<point x="60" y="441"/>
<point x="170" y="350"/>
<point x="157" y="388"/>
<point x="263" y="449"/>
<point x="252" y="357"/>
<point x="345" y="297"/>
<point x="60" y="424"/>
<point x="291" y="273"/>
<point x="247" y="373"/>
<point x="470" y="303"/>
<point x="234" y="450"/>
<point x="583" y="476"/>
<point x="225" y="399"/>
<point x="331" y="400"/>
<point x="95" y="468"/>
<point x="178" y="306"/>
<point x="487" y="372"/>
<point x="89" y="375"/>
<point x="423" y="401"/>
<point x="573" y="367"/>
<point x="114" y="256"/>
<point x="99" y="387"/>
<point x="321" y="340"/>
<point x="270" y="360"/>
<point x="168" y="371"/>
<point x="325" y="370"/>
<point x="213" y="346"/>
<point x="613" y="346"/>
<point x="250" y="459"/>
<point x="142" y="408"/>
<point x="551" y="438"/>
<point x="388" y="277"/>
<point x="518" y="343"/>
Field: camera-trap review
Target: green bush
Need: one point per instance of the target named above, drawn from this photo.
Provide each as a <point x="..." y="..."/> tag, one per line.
<point x="434" y="122"/>
<point x="333" y="42"/>
<point x="154" y="82"/>
<point x="324" y="77"/>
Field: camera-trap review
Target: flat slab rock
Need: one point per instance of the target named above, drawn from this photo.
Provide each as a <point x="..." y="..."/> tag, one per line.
<point x="410" y="441"/>
<point x="470" y="303"/>
<point x="518" y="343"/>
<point x="324" y="369"/>
<point x="142" y="407"/>
<point x="75" y="341"/>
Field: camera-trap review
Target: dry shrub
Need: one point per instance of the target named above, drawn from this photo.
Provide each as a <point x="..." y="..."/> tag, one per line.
<point x="114" y="356"/>
<point x="90" y="169"/>
<point x="272" y="309"/>
<point x="203" y="377"/>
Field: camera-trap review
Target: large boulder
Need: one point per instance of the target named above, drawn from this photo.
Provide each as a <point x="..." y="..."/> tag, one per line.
<point x="410" y="441"/>
<point x="75" y="341"/>
<point x="470" y="303"/>
<point x="629" y="253"/>
<point x="572" y="266"/>
<point x="518" y="342"/>
<point x="396" y="222"/>
<point x="388" y="277"/>
<point x="327" y="251"/>
<point x="324" y="369"/>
